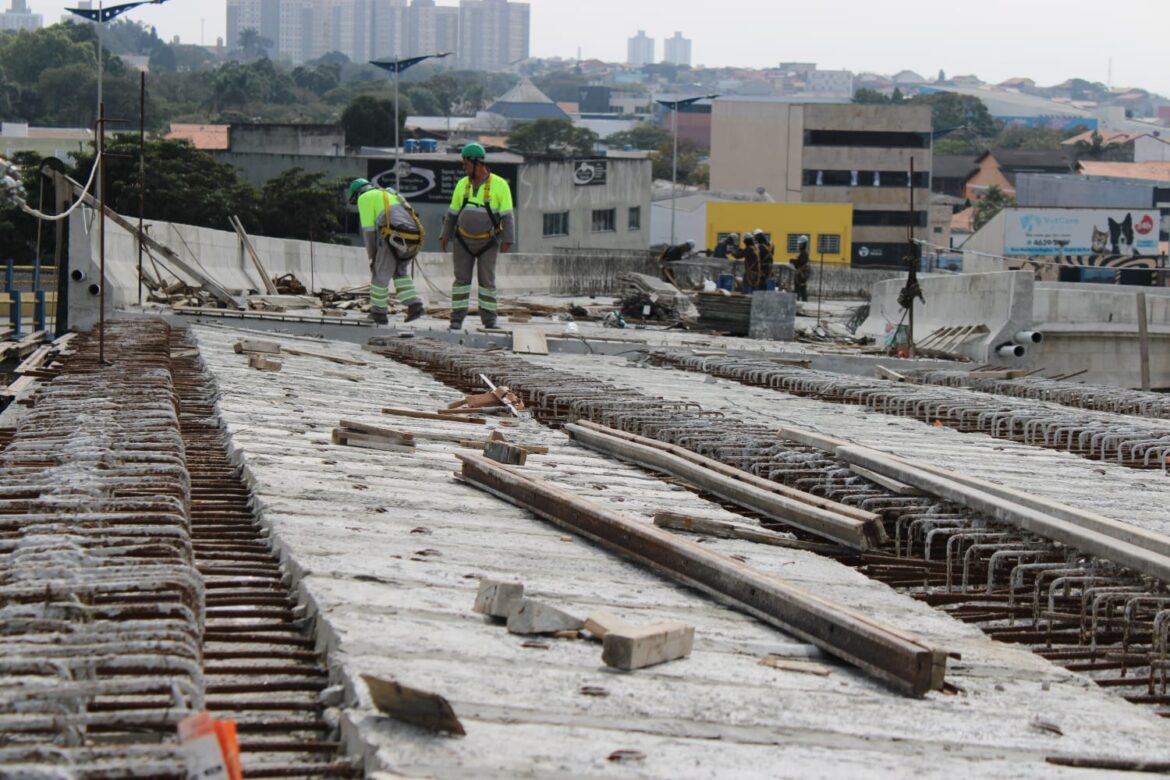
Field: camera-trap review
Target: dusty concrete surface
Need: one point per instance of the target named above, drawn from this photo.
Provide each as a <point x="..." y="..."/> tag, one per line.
<point x="388" y="550"/>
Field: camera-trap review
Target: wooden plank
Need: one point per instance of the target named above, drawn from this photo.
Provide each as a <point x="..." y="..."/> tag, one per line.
<point x="529" y="341"/>
<point x="807" y="438"/>
<point x="903" y="661"/>
<point x="352" y="439"/>
<point x="34" y="361"/>
<point x="721" y="529"/>
<point x="734" y="473"/>
<point x="1143" y="341"/>
<point x="256" y="345"/>
<point x="503" y="452"/>
<point x="892" y="485"/>
<point x="376" y="430"/>
<point x="854" y="533"/>
<point x="269" y="287"/>
<point x="263" y="362"/>
<point x="400" y="412"/>
<point x="889" y="373"/>
<point x="16" y="388"/>
<point x="795" y="665"/>
<point x="342" y="359"/>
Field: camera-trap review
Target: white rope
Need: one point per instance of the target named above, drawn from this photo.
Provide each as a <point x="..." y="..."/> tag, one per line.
<point x="58" y="217"/>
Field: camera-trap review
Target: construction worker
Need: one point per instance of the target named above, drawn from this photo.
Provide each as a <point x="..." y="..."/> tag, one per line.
<point x="728" y="248"/>
<point x="753" y="278"/>
<point x="677" y="252"/>
<point x="802" y="267"/>
<point x="767" y="254"/>
<point x="392" y="233"/>
<point x="483" y="225"/>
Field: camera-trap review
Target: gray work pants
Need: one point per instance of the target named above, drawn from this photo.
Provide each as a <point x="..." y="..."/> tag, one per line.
<point x="465" y="263"/>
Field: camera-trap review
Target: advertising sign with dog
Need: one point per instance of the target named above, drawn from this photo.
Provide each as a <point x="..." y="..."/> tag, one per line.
<point x="1072" y="232"/>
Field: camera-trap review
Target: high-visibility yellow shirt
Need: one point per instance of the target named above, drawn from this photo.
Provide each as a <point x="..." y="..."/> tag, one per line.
<point x="371" y="203"/>
<point x="499" y="195"/>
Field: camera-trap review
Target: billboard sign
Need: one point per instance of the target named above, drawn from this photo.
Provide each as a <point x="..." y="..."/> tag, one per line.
<point x="430" y="181"/>
<point x="589" y="172"/>
<point x="1072" y="232"/>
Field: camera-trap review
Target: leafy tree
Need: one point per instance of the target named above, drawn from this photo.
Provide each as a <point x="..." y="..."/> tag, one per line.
<point x="301" y="205"/>
<point x="952" y="110"/>
<point x="642" y="136"/>
<point x="553" y="136"/>
<point x="18" y="231"/>
<point x="237" y="84"/>
<point x="897" y="97"/>
<point x="692" y="167"/>
<point x="253" y="44"/>
<point x="318" y="79"/>
<point x="1036" y="138"/>
<point x="870" y="96"/>
<point x="369" y="121"/>
<point x="183" y="184"/>
<point x="991" y="204"/>
<point x="25" y="55"/>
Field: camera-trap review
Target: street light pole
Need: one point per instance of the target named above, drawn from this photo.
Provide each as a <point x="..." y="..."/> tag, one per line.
<point x="396" y="67"/>
<point x="674" y="106"/>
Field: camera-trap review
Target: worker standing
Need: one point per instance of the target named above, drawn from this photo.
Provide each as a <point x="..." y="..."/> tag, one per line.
<point x="392" y="233"/>
<point x="767" y="254"/>
<point x="483" y="224"/>
<point x="727" y="248"/>
<point x="803" y="267"/>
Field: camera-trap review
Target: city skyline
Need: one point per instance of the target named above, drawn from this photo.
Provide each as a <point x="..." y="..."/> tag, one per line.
<point x="1004" y="40"/>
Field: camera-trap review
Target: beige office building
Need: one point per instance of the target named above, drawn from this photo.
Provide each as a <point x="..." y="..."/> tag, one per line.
<point x="831" y="153"/>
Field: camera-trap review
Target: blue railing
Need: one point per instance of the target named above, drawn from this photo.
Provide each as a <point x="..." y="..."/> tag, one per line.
<point x="16" y="296"/>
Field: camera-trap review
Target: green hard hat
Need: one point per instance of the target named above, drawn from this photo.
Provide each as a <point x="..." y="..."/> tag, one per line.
<point x="473" y="151"/>
<point x="356" y="186"/>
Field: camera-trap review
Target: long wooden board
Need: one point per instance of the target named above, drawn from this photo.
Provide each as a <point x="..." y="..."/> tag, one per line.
<point x="902" y="660"/>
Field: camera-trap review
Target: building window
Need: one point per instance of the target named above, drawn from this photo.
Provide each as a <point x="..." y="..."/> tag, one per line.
<point x="556" y="224"/>
<point x="604" y="220"/>
<point x="888" y="140"/>
<point x="635" y="222"/>
<point x="793" y="247"/>
<point x="889" y="218"/>
<point x="828" y="244"/>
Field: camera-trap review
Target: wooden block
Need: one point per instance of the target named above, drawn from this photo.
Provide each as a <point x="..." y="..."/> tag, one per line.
<point x="256" y="345"/>
<point x="647" y="646"/>
<point x="535" y="617"/>
<point x="503" y="452"/>
<point x="376" y="430"/>
<point x="600" y="623"/>
<point x="498" y="599"/>
<point x="411" y="705"/>
<point x="262" y="363"/>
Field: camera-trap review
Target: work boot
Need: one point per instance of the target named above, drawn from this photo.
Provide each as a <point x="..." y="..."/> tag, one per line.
<point x="414" y="311"/>
<point x="456" y="325"/>
<point x="489" y="322"/>
<point x="379" y="317"/>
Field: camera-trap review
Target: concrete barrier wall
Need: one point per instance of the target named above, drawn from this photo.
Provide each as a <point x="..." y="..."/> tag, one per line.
<point x="1000" y="301"/>
<point x="220" y="256"/>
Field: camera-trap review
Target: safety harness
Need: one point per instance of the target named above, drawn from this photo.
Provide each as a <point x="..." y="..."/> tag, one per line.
<point x="403" y="243"/>
<point x="461" y="235"/>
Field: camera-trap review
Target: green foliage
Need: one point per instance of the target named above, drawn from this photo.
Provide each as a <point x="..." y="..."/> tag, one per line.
<point x="869" y="96"/>
<point x="991" y="204"/>
<point x="253" y="44"/>
<point x="1096" y="149"/>
<point x="561" y="86"/>
<point x="318" y="79"/>
<point x="553" y="136"/>
<point x="692" y="165"/>
<point x="1029" y="138"/>
<point x="301" y="205"/>
<point x="949" y="110"/>
<point x="643" y="136"/>
<point x="236" y="85"/>
<point x="369" y="121"/>
<point x="27" y="54"/>
<point x="18" y="231"/>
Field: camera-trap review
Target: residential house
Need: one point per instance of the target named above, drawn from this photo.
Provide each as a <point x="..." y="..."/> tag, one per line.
<point x="949" y="173"/>
<point x="999" y="168"/>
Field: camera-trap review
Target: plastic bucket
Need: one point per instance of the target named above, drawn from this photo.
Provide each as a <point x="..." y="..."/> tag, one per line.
<point x="725" y="282"/>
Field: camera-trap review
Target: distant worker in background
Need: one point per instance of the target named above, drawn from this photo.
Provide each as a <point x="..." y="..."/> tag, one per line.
<point x="767" y="254"/>
<point x="392" y="233"/>
<point x="803" y="268"/>
<point x="728" y="248"/>
<point x="672" y="254"/>
<point x="753" y="279"/>
<point x="483" y="224"/>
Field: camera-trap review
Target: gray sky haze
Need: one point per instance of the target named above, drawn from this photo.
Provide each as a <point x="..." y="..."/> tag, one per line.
<point x="1047" y="40"/>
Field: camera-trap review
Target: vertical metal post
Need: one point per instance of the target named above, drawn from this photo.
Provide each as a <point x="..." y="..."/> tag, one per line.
<point x="914" y="270"/>
<point x="674" y="175"/>
<point x="62" y="197"/>
<point x="101" y="162"/>
<point x="1143" y="340"/>
<point x="397" y="180"/>
<point x="141" y="173"/>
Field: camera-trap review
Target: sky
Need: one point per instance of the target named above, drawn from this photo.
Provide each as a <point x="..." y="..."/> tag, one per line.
<point x="1045" y="40"/>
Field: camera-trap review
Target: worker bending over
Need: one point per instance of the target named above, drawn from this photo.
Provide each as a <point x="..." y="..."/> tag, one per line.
<point x="392" y="233"/>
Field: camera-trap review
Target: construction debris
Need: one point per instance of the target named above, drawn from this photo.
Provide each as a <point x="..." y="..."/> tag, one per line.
<point x="498" y="599"/>
<point x="263" y="362"/>
<point x="356" y="434"/>
<point x="503" y="452"/>
<point x="535" y="617"/>
<point x="410" y="705"/>
<point x="650" y="298"/>
<point x="637" y="648"/>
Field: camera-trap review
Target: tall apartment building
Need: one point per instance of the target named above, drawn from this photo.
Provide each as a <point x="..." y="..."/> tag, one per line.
<point x="832" y="153"/>
<point x="484" y="34"/>
<point x="18" y="17"/>
<point x="492" y="33"/>
<point x="640" y="49"/>
<point x="677" y="50"/>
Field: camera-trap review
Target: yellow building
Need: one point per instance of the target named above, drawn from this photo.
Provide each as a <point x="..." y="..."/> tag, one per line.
<point x="829" y="226"/>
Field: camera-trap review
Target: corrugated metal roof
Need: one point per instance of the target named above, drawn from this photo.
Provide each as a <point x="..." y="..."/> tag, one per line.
<point x="1149" y="171"/>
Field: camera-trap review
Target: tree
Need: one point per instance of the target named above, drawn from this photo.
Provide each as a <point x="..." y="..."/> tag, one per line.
<point x="865" y="95"/>
<point x="642" y="136"/>
<point x="301" y="205"/>
<point x="25" y="55"/>
<point x="253" y="44"/>
<point x="369" y="121"/>
<point x="692" y="168"/>
<point x="553" y="136"/>
<point x="1036" y="138"/>
<point x="991" y="204"/>
<point x="950" y="110"/>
